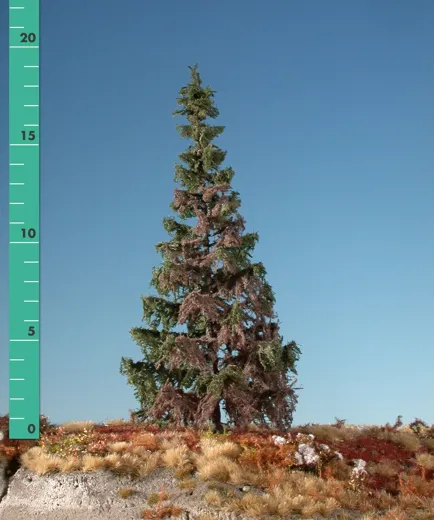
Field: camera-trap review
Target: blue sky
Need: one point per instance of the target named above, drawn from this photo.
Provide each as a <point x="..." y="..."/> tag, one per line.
<point x="329" y="115"/>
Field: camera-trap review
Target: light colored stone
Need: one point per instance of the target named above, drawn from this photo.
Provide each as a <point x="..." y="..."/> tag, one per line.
<point x="95" y="496"/>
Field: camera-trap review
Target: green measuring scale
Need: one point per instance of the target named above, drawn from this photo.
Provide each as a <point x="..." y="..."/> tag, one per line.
<point x="24" y="239"/>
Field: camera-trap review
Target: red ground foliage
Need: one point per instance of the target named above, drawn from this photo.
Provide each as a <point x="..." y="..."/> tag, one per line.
<point x="372" y="449"/>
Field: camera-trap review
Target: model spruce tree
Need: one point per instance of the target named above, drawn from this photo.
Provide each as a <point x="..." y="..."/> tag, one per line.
<point x="212" y="340"/>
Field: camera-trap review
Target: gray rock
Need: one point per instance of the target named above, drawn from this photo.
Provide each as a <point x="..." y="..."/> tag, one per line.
<point x="3" y="479"/>
<point x="95" y="496"/>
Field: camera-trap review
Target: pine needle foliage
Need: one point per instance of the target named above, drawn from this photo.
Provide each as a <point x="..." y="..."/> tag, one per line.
<point x="229" y="355"/>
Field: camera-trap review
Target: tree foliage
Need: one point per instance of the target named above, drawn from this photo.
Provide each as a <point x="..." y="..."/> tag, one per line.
<point x="229" y="354"/>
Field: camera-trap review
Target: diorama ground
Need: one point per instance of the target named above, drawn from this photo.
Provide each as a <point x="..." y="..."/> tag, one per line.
<point x="130" y="470"/>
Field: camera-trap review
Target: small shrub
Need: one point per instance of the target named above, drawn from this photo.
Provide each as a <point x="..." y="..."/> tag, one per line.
<point x="420" y="428"/>
<point x="61" y="442"/>
<point x="146" y="440"/>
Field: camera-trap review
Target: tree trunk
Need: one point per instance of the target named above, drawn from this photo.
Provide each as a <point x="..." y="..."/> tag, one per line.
<point x="216" y="417"/>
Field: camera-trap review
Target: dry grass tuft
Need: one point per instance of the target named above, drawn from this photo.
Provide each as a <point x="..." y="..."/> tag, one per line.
<point x="206" y="516"/>
<point x="425" y="460"/>
<point x="396" y="513"/>
<point x="149" y="464"/>
<point x="407" y="440"/>
<point x="212" y="448"/>
<point x="383" y="500"/>
<point x="301" y="494"/>
<point x="77" y="426"/>
<point x="213" y="498"/>
<point x="385" y="468"/>
<point x="131" y="465"/>
<point x="92" y="463"/>
<point x="220" y="468"/>
<point x="339" y="470"/>
<point x="41" y="463"/>
<point x="249" y="504"/>
<point x="329" y="433"/>
<point x="174" y="441"/>
<point x="126" y="492"/>
<point x="217" y="462"/>
<point x="429" y="444"/>
<point x="161" y="512"/>
<point x="117" y="422"/>
<point x="118" y="447"/>
<point x="70" y="463"/>
<point x="176" y="457"/>
<point x="187" y="484"/>
<point x="416" y="485"/>
<point x="125" y="463"/>
<point x="184" y="472"/>
<point x="157" y="498"/>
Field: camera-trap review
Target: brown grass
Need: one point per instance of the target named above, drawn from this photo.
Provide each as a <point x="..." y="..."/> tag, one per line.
<point x="147" y="441"/>
<point x="126" y="493"/>
<point x="187" y="484"/>
<point x="408" y="440"/>
<point x="176" y="457"/>
<point x="184" y="472"/>
<point x="213" y="449"/>
<point x="219" y="468"/>
<point x="77" y="426"/>
<point x="213" y="498"/>
<point x="385" y="469"/>
<point x="156" y="498"/>
<point x="117" y="422"/>
<point x="162" y="512"/>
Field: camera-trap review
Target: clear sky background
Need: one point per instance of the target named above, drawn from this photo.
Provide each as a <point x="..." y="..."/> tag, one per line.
<point x="329" y="114"/>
